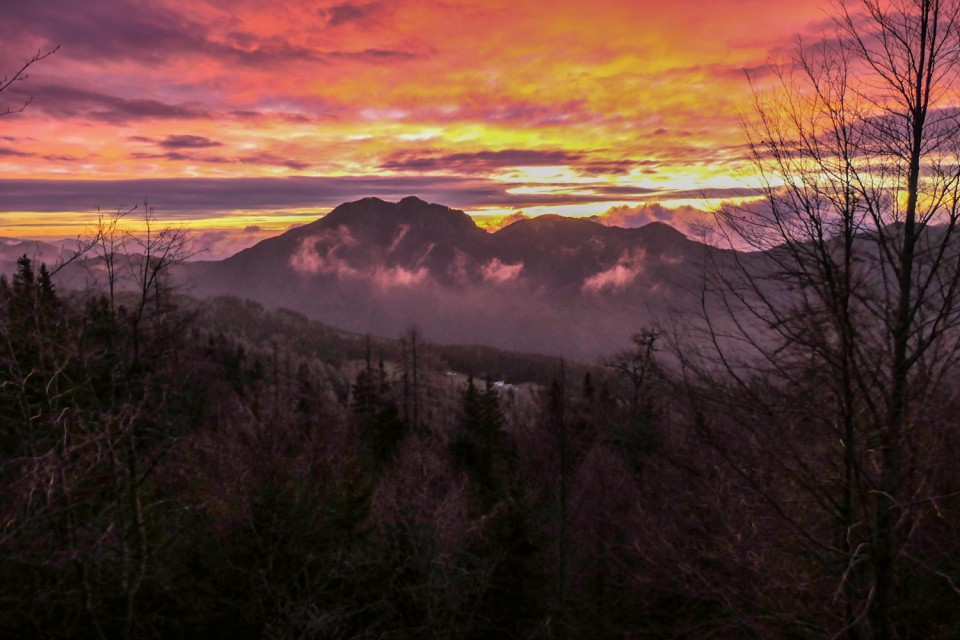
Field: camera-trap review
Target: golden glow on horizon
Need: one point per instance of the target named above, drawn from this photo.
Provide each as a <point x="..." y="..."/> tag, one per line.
<point x="555" y="107"/>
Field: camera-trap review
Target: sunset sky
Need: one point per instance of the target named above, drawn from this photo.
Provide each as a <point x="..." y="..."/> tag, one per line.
<point x="242" y="117"/>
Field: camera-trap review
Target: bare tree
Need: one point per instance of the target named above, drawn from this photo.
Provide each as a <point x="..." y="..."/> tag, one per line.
<point x="154" y="252"/>
<point x="637" y="365"/>
<point x="136" y="258"/>
<point x="21" y="74"/>
<point x="83" y="390"/>
<point x="853" y="299"/>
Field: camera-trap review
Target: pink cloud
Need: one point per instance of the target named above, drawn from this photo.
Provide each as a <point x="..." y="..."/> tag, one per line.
<point x="616" y="278"/>
<point x="318" y="254"/>
<point x="397" y="239"/>
<point x="426" y="253"/>
<point x="397" y="277"/>
<point x="686" y="219"/>
<point x="321" y="254"/>
<point x="221" y="244"/>
<point x="498" y="272"/>
<point x="458" y="270"/>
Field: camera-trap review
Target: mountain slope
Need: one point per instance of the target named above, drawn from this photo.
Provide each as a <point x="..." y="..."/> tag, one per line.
<point x="550" y="284"/>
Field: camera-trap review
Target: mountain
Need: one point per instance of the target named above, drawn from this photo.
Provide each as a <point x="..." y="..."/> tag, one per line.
<point x="11" y="249"/>
<point x="550" y="284"/>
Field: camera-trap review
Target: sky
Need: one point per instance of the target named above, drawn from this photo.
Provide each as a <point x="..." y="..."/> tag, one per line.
<point x="240" y="118"/>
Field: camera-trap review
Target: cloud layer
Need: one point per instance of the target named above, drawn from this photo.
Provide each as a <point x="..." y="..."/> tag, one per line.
<point x="483" y="105"/>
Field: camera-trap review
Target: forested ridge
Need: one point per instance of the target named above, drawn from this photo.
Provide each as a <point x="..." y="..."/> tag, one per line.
<point x="214" y="469"/>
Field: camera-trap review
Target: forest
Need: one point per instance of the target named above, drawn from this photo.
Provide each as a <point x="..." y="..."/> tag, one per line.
<point x="182" y="468"/>
<point x="779" y="463"/>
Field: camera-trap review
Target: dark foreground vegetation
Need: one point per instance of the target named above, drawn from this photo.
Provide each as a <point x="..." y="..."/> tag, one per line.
<point x="181" y="469"/>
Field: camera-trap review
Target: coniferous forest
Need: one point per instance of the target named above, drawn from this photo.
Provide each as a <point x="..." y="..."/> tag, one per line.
<point x="772" y="454"/>
<point x="175" y="468"/>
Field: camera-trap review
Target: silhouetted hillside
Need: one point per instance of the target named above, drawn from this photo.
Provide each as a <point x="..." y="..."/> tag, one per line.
<point x="550" y="284"/>
<point x="174" y="467"/>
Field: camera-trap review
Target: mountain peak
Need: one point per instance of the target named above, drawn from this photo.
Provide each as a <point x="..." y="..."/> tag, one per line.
<point x="551" y="223"/>
<point x="662" y="232"/>
<point x="377" y="213"/>
<point x="378" y="266"/>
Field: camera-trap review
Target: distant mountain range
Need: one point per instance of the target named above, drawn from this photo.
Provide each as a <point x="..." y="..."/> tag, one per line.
<point x="11" y="249"/>
<point x="551" y="284"/>
<point x="548" y="284"/>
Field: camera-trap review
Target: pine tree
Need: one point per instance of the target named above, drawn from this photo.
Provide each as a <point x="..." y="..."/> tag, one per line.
<point x="479" y="448"/>
<point x="381" y="429"/>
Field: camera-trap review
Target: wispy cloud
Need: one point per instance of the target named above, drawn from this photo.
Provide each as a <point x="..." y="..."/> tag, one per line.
<point x="211" y="196"/>
<point x="185" y="141"/>
<point x="480" y="161"/>
<point x="469" y="104"/>
<point x="617" y="277"/>
<point x="14" y="153"/>
<point x="63" y="101"/>
<point x="352" y="12"/>
<point x="325" y="254"/>
<point x="499" y="272"/>
<point x="689" y="220"/>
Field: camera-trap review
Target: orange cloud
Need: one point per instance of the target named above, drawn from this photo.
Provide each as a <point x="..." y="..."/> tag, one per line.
<point x="587" y="103"/>
<point x="687" y="219"/>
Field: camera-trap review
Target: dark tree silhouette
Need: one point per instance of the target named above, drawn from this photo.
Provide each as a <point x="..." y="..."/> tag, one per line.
<point x="836" y="339"/>
<point x="20" y="75"/>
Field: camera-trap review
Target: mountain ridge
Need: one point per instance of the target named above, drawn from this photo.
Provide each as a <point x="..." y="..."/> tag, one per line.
<point x="552" y="284"/>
